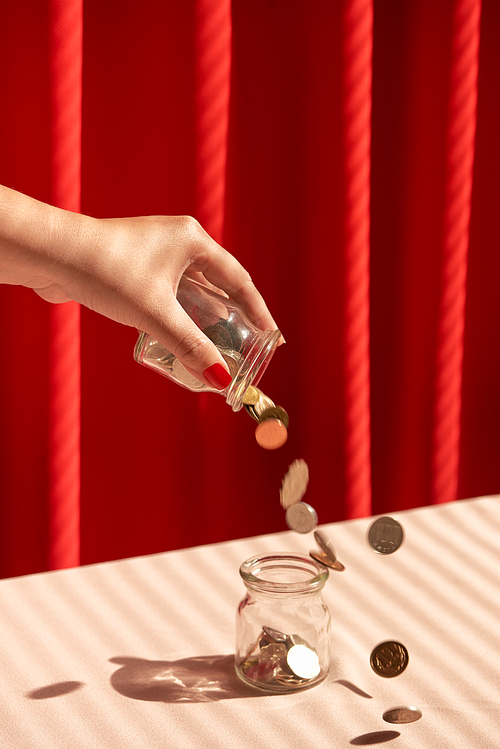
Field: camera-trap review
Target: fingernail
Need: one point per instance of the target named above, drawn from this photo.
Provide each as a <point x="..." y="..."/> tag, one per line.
<point x="218" y="377"/>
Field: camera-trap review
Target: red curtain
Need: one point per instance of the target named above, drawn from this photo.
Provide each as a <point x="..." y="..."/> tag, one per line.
<point x="347" y="153"/>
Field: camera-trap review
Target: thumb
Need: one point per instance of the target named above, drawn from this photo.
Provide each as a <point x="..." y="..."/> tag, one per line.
<point x="196" y="355"/>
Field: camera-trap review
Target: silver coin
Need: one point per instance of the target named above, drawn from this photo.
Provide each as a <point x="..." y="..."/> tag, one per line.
<point x="301" y="517"/>
<point x="407" y="714"/>
<point x="325" y="545"/>
<point x="233" y="360"/>
<point x="385" y="535"/>
<point x="182" y="375"/>
<point x="303" y="662"/>
<point x="294" y="483"/>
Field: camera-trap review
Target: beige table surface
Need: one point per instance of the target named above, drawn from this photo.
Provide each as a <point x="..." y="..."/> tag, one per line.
<point x="138" y="653"/>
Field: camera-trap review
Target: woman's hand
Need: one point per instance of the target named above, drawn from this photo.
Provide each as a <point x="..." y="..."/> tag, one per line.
<point x="127" y="269"/>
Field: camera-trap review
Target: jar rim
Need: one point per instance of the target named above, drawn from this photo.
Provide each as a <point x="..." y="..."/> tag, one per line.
<point x="283" y="572"/>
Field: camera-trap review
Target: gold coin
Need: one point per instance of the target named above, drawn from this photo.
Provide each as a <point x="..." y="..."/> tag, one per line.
<point x="275" y="412"/>
<point x="324" y="559"/>
<point x="263" y="403"/>
<point x="325" y="545"/>
<point x="389" y="659"/>
<point x="251" y="396"/>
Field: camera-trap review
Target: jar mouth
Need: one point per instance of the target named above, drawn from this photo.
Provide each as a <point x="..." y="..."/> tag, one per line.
<point x="283" y="572"/>
<point x="253" y="367"/>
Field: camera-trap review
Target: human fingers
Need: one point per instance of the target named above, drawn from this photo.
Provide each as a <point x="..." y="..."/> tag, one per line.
<point x="222" y="270"/>
<point x="192" y="348"/>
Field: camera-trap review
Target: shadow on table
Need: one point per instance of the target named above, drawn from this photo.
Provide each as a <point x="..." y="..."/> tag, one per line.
<point x="54" y="690"/>
<point x="205" y="678"/>
<point x="377" y="737"/>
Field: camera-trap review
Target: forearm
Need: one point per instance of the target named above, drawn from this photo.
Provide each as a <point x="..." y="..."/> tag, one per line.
<point x="36" y="240"/>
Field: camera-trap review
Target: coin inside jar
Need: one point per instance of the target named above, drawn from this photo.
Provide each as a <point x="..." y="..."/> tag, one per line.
<point x="233" y="360"/>
<point x="303" y="661"/>
<point x="183" y="375"/>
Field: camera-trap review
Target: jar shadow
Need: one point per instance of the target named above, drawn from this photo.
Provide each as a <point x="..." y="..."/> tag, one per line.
<point x="206" y="678"/>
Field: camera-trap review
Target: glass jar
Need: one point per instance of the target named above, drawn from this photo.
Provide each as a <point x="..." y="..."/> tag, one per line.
<point x="245" y="349"/>
<point x="282" y="623"/>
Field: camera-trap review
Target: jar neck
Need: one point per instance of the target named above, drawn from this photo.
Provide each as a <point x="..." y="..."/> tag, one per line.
<point x="283" y="574"/>
<point x="252" y="368"/>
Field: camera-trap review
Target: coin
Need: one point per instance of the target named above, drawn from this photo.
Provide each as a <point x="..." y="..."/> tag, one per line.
<point x="325" y="544"/>
<point x="294" y="484"/>
<point x="389" y="659"/>
<point x="322" y="558"/>
<point x="407" y="714"/>
<point x="262" y="403"/>
<point x="303" y="661"/>
<point x="251" y="396"/>
<point x="250" y="409"/>
<point x="182" y="375"/>
<point x="219" y="334"/>
<point x="385" y="535"/>
<point x="275" y="412"/>
<point x="271" y="434"/>
<point x="233" y="361"/>
<point x="301" y="517"/>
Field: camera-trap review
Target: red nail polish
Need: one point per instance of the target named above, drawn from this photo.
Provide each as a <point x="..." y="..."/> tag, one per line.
<point x="217" y="377"/>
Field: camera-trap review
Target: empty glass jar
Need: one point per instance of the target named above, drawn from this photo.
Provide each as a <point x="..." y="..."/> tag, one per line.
<point x="282" y="623"/>
<point x="245" y="349"/>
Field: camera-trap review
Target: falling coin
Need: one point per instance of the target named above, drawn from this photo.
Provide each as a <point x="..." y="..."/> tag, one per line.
<point x="325" y="544"/>
<point x="294" y="483"/>
<point x="389" y="659"/>
<point x="324" y="559"/>
<point x="385" y="535"/>
<point x="251" y="396"/>
<point x="402" y="715"/>
<point x="262" y="403"/>
<point x="275" y="412"/>
<point x="271" y="434"/>
<point x="301" y="517"/>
